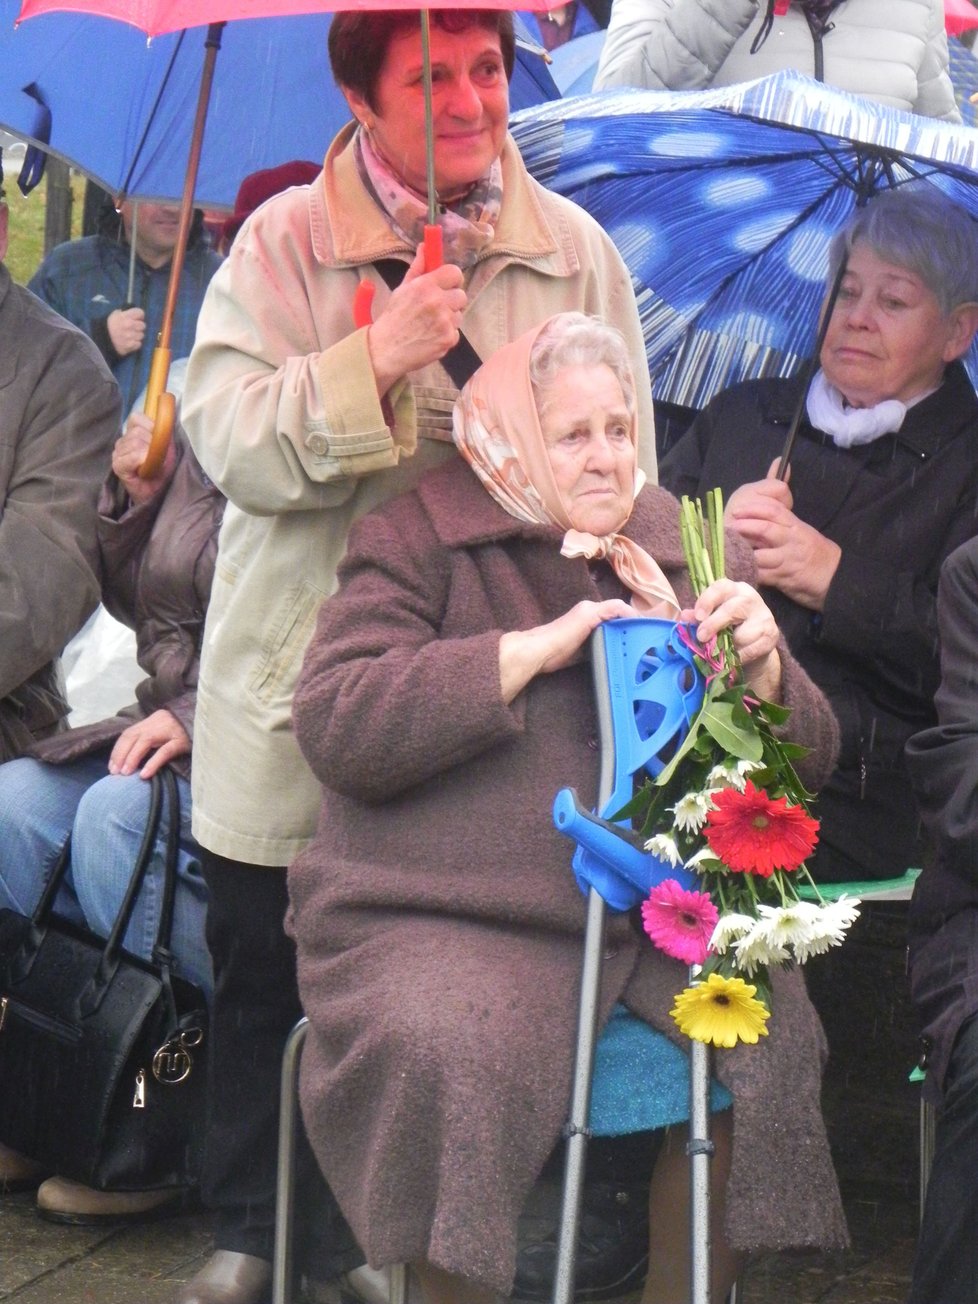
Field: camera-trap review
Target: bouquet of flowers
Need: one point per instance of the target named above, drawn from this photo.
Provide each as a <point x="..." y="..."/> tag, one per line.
<point x="730" y="807"/>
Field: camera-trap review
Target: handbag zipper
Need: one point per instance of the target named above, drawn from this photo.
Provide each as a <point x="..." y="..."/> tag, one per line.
<point x="35" y="1019"/>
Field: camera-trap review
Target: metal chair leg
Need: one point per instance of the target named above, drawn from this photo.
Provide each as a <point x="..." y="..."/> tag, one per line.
<point x="398" y="1284"/>
<point x="288" y="1124"/>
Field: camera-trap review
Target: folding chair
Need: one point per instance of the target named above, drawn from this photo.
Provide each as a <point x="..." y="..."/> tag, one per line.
<point x="283" y="1261"/>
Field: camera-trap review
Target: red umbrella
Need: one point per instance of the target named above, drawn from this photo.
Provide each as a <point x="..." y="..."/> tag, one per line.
<point x="959" y="16"/>
<point x="155" y="17"/>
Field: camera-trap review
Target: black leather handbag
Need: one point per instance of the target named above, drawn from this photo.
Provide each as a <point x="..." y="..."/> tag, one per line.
<point x="102" y="1065"/>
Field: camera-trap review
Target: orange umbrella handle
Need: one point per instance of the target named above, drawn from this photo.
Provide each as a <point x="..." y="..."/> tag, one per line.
<point x="362" y="302"/>
<point x="434" y="257"/>
<point x="434" y="254"/>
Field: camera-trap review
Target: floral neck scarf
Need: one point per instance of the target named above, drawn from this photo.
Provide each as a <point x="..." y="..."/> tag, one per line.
<point x="497" y="431"/>
<point x="468" y="225"/>
<point x="849" y="426"/>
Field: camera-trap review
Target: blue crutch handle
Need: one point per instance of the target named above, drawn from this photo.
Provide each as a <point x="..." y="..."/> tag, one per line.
<point x="647" y="697"/>
<point x="608" y="857"/>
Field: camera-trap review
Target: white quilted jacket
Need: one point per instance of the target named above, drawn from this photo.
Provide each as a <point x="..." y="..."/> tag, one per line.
<point x="891" y="51"/>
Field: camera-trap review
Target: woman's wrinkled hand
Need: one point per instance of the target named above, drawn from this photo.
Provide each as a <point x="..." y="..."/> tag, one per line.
<point x="420" y="322"/>
<point x="734" y="605"/>
<point x="526" y="653"/>
<point x="790" y="555"/>
<point x="129" y="454"/>
<point x="161" y="737"/>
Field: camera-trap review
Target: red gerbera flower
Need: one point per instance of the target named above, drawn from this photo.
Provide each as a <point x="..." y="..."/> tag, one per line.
<point x="753" y="833"/>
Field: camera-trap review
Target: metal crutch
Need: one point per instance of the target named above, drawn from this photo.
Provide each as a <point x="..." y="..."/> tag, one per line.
<point x="608" y="855"/>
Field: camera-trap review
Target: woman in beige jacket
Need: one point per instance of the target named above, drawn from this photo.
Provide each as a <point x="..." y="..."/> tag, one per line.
<point x="305" y="423"/>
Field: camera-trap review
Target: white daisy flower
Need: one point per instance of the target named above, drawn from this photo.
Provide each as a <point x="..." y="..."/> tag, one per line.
<point x="834" y="919"/>
<point x="706" y="857"/>
<point x="759" y="947"/>
<point x="664" y="847"/>
<point x="732" y="774"/>
<point x="791" y="926"/>
<point x="729" y="929"/>
<point x="691" y="811"/>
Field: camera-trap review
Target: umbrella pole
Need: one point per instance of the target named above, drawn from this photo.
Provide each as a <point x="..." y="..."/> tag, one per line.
<point x="133" y="231"/>
<point x="810" y="368"/>
<point x="159" y="405"/>
<point x="433" y="252"/>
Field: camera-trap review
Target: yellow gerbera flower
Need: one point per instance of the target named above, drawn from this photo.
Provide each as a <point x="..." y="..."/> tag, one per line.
<point x="722" y="1011"/>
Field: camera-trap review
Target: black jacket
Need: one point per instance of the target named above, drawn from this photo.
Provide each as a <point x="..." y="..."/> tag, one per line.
<point x="896" y="507"/>
<point x="943" y="762"/>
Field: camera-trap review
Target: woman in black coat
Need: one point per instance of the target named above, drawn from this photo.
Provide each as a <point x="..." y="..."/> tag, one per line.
<point x="883" y="486"/>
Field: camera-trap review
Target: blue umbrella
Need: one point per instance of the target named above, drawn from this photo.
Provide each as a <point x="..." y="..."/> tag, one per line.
<point x="723" y="202"/>
<point x="97" y="94"/>
<point x="574" y="64"/>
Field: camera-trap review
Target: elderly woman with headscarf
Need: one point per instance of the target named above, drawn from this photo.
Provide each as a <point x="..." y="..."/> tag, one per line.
<point x="883" y="486"/>
<point x="443" y="702"/>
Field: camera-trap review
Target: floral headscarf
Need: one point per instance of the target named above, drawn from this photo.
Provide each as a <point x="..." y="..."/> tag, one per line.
<point x="497" y="431"/>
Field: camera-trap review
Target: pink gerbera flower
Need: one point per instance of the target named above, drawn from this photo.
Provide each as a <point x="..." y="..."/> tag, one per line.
<point x="680" y="923"/>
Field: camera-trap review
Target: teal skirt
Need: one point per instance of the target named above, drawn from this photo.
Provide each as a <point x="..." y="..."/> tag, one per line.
<point x="641" y="1079"/>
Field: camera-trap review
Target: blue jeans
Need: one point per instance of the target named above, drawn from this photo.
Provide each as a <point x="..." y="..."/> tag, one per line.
<point x="106" y="816"/>
<point x="946" y="1265"/>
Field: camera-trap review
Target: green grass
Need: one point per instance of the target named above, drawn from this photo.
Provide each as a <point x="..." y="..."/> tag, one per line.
<point x="26" y="247"/>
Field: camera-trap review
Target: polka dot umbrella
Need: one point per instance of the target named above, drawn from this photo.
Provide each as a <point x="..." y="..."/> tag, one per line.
<point x="723" y="203"/>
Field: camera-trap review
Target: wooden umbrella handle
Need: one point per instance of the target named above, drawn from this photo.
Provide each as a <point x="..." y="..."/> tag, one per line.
<point x="166" y="415"/>
<point x="161" y="406"/>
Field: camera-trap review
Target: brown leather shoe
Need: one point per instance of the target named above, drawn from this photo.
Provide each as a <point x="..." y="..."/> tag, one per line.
<point x="229" y="1278"/>
<point x="61" y="1200"/>
<point x="18" y="1173"/>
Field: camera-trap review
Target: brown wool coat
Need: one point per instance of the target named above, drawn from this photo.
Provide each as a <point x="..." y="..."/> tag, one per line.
<point x="438" y="926"/>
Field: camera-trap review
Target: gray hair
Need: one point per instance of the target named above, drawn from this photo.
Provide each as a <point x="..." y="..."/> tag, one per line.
<point x="572" y="339"/>
<point x="920" y="229"/>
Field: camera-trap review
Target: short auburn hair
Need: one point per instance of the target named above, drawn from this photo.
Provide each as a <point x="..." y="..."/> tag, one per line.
<point x="359" y="40"/>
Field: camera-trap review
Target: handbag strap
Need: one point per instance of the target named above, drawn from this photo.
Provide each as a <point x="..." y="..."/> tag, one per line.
<point x="45" y="902"/>
<point x="91" y="997"/>
<point x="161" y="950"/>
<point x="114" y="941"/>
<point x="40" y="919"/>
<point x="461" y="361"/>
